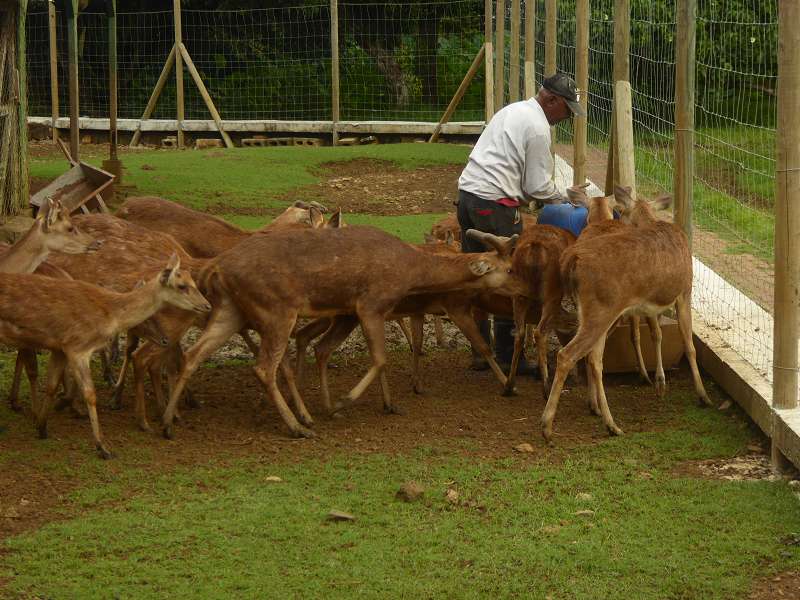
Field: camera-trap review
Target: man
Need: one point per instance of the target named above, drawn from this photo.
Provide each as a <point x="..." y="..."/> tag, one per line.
<point x="510" y="166"/>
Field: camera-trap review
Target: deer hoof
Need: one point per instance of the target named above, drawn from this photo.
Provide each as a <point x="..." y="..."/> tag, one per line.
<point x="418" y="389"/>
<point x="303" y="432"/>
<point x="116" y="400"/>
<point x="167" y="432"/>
<point x="14" y="405"/>
<point x="42" y="429"/>
<point x="145" y="427"/>
<point x="661" y="387"/>
<point x="190" y="401"/>
<point x="104" y="452"/>
<point x="704" y="401"/>
<point x="614" y="430"/>
<point x="509" y="391"/>
<point x="306" y="420"/>
<point x="547" y="434"/>
<point x="393" y="409"/>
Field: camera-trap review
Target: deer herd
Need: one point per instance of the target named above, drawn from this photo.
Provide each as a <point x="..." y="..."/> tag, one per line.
<point x="157" y="269"/>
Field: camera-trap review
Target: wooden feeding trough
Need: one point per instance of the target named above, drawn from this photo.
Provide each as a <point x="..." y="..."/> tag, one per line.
<point x="620" y="357"/>
<point x="78" y="189"/>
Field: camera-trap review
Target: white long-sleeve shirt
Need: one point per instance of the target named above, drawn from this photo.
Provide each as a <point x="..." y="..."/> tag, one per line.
<point x="512" y="157"/>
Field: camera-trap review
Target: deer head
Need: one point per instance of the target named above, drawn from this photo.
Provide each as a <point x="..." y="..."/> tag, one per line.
<point x="178" y="288"/>
<point x="59" y="234"/>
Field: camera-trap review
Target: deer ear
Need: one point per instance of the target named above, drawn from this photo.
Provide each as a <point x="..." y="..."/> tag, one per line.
<point x="336" y="221"/>
<point x="320" y="207"/>
<point x="52" y="214"/>
<point x="315" y="217"/>
<point x="577" y="195"/>
<point x="623" y="195"/>
<point x="481" y="267"/>
<point x="173" y="264"/>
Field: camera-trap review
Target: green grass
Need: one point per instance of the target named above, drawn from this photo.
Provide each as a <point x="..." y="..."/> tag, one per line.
<point x="223" y="531"/>
<point x="246" y="177"/>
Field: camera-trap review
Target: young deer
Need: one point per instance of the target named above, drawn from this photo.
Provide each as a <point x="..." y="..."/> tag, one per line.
<point x="74" y="319"/>
<point x="655" y="275"/>
<point x="52" y="231"/>
<point x="203" y="235"/>
<point x="268" y="281"/>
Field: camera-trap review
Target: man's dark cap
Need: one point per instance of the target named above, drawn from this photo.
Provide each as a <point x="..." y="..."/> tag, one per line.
<point x="563" y="85"/>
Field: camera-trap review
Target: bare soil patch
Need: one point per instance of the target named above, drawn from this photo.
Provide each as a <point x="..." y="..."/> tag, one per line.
<point x="784" y="586"/>
<point x="380" y="188"/>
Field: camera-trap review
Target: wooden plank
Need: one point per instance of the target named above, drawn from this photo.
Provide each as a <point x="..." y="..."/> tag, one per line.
<point x="198" y="81"/>
<point x="111" y="13"/>
<point x="621" y="69"/>
<point x="684" y="113"/>
<point x="530" y="48"/>
<point x="74" y="101"/>
<point x="580" y="124"/>
<point x="462" y="88"/>
<point x="471" y="128"/>
<point x="489" y="53"/>
<point x="513" y="59"/>
<point x="550" y="37"/>
<point x="787" y="215"/>
<point x="500" y="51"/>
<point x="54" y="104"/>
<point x="179" y="101"/>
<point x="334" y="69"/>
<point x="151" y="103"/>
<point x="625" y="148"/>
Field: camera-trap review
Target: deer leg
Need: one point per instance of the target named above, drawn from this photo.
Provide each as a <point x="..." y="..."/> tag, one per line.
<point x="591" y="390"/>
<point x="141" y="359"/>
<point x="463" y="319"/>
<point x="596" y="365"/>
<point x="401" y="323"/>
<point x="13" y="393"/>
<point x="655" y="335"/>
<point x="222" y="324"/>
<point x="79" y="365"/>
<point x="275" y="331"/>
<point x="249" y="341"/>
<point x="550" y="312"/>
<point x="584" y="340"/>
<point x="105" y="365"/>
<point x="520" y="305"/>
<point x="299" y="406"/>
<point x="26" y="359"/>
<point x="416" y="335"/>
<point x="339" y="330"/>
<point x="131" y="343"/>
<point x="55" y="371"/>
<point x="684" y="310"/>
<point x="303" y="338"/>
<point x="636" y="340"/>
<point x="438" y="329"/>
<point x="373" y="327"/>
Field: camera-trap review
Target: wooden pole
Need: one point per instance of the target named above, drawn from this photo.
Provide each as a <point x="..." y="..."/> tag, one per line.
<point x="111" y="10"/>
<point x="54" y="105"/>
<point x="335" y="70"/>
<point x="580" y="124"/>
<point x="787" y="213"/>
<point x="622" y="50"/>
<point x="489" y="53"/>
<point x="623" y="109"/>
<point x="530" y="48"/>
<point x="22" y="114"/>
<point x="462" y="88"/>
<point x="179" y="101"/>
<point x="684" y="113"/>
<point x="74" y="101"/>
<point x="513" y="64"/>
<point x="198" y="81"/>
<point x="550" y="50"/>
<point x="500" y="49"/>
<point x="151" y="103"/>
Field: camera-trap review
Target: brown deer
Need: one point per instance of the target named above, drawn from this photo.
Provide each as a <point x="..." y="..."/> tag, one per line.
<point x="73" y="319"/>
<point x="655" y="275"/>
<point x="203" y="235"/>
<point x="268" y="281"/>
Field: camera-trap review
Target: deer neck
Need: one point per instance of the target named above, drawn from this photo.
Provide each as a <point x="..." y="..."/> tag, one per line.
<point x="434" y="273"/>
<point x="138" y="305"/>
<point x="642" y="213"/>
<point x="27" y="254"/>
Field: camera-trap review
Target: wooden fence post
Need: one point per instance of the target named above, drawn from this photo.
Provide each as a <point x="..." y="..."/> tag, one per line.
<point x="622" y="51"/>
<point x="623" y="111"/>
<point x="179" y="100"/>
<point x="74" y="101"/>
<point x="513" y="63"/>
<point x="787" y="217"/>
<point x="500" y="49"/>
<point x="530" y="48"/>
<point x="54" y="104"/>
<point x="488" y="60"/>
<point x="684" y="113"/>
<point x="580" y="124"/>
<point x="550" y="50"/>
<point x="111" y="11"/>
<point x="334" y="71"/>
<point x="23" y="192"/>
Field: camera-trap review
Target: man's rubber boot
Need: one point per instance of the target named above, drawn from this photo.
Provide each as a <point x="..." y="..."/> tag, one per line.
<point x="479" y="363"/>
<point x="504" y="349"/>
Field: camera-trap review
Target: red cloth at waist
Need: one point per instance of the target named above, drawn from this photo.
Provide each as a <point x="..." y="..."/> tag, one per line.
<point x="508" y="202"/>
